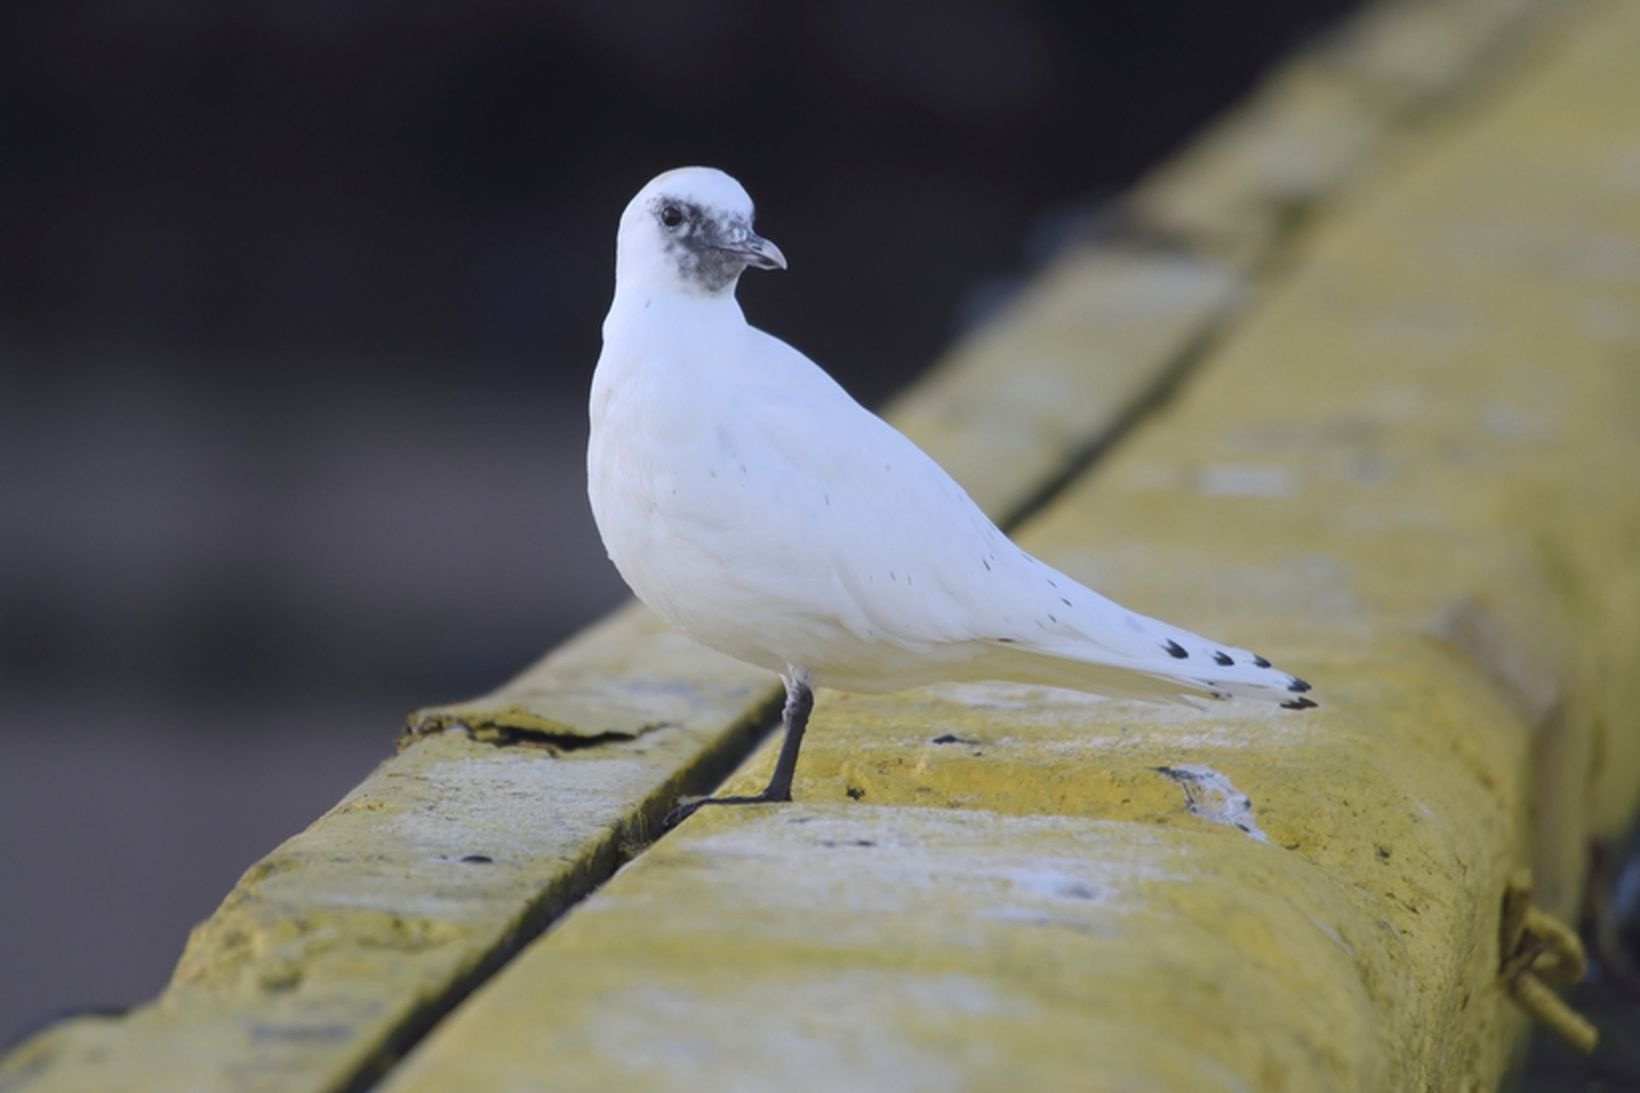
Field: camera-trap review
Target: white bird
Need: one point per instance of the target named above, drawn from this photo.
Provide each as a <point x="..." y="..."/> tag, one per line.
<point x="752" y="504"/>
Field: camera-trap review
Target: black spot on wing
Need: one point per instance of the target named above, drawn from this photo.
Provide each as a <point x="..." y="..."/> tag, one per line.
<point x="1261" y="662"/>
<point x="1174" y="649"/>
<point x="1297" y="685"/>
<point x="1222" y="658"/>
<point x="1299" y="704"/>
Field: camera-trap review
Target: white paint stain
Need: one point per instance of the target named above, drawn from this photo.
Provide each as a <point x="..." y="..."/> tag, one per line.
<point x="1245" y="480"/>
<point x="1212" y="797"/>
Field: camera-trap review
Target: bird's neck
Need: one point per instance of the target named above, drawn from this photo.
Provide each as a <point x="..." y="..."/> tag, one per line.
<point x="640" y="305"/>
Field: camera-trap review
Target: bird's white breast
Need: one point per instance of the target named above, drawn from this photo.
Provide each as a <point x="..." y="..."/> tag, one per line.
<point x="724" y="472"/>
<point x="679" y="489"/>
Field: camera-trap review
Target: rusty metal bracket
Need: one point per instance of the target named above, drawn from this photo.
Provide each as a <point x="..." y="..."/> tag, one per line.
<point x="1537" y="955"/>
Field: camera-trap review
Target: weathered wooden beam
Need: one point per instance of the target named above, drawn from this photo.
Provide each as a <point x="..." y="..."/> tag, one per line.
<point x="347" y="943"/>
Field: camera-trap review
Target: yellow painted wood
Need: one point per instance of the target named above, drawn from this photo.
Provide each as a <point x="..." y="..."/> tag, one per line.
<point x="626" y="677"/>
<point x="339" y="948"/>
<point x="1080" y="351"/>
<point x="1320" y="122"/>
<point x="1408" y="474"/>
<point x="826" y="946"/>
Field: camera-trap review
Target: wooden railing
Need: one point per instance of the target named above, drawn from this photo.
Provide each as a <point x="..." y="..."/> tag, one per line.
<point x="1352" y="381"/>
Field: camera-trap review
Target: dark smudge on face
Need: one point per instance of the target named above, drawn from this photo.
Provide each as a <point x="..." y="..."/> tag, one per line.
<point x="696" y="244"/>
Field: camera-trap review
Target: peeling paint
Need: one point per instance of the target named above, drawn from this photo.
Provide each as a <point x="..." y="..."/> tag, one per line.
<point x="1211" y="796"/>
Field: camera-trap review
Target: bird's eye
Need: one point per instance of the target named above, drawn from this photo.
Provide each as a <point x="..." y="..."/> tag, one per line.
<point x="671" y="216"/>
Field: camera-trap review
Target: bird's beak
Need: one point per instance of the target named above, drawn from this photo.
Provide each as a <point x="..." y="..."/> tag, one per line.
<point x="757" y="250"/>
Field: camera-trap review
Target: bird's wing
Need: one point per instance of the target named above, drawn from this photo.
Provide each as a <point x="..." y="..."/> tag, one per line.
<point x="922" y="565"/>
<point x="862" y="503"/>
<point x="865" y="508"/>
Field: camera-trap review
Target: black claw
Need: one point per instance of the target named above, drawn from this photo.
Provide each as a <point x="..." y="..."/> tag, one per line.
<point x="687" y="809"/>
<point x="1174" y="649"/>
<point x="1260" y="661"/>
<point x="1298" y="685"/>
<point x="1223" y="658"/>
<point x="1299" y="704"/>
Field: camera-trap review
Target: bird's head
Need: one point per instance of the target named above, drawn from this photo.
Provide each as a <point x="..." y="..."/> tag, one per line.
<point x="690" y="230"/>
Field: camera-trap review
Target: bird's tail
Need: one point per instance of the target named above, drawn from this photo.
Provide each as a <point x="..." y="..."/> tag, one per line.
<point x="1183" y="664"/>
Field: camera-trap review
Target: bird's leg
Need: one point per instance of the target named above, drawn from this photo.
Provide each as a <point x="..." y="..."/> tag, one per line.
<point x="795" y="718"/>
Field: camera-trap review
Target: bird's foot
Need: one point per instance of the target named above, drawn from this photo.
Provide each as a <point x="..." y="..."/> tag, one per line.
<point x="688" y="806"/>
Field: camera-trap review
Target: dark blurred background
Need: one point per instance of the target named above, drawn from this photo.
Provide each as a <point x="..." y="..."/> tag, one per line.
<point x="299" y="300"/>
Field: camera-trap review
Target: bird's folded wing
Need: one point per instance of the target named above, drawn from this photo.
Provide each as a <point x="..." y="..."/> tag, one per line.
<point x="919" y="561"/>
<point x="921" y="565"/>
